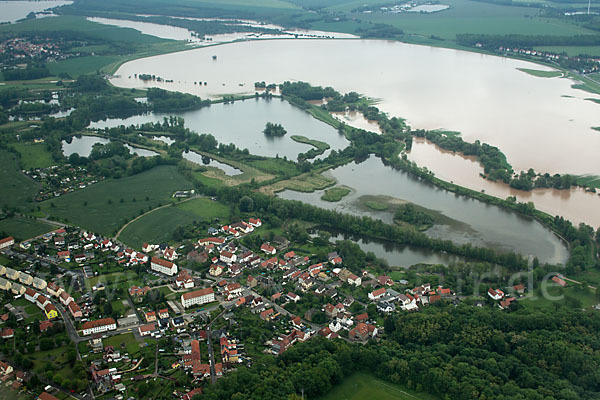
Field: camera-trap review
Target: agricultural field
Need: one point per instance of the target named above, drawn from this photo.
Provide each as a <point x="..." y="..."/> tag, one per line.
<point x="463" y="16"/>
<point x="81" y="65"/>
<point x="34" y="155"/>
<point x="17" y="189"/>
<point x="158" y="226"/>
<point x="106" y="206"/>
<point x="361" y="386"/>
<point x="24" y="228"/>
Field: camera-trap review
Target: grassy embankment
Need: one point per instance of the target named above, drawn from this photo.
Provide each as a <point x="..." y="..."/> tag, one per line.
<point x="541" y="74"/>
<point x="317" y="144"/>
<point x="106" y="206"/>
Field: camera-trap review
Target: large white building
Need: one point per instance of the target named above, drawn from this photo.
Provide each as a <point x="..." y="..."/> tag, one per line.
<point x="163" y="266"/>
<point x="98" y="326"/>
<point x="6" y="242"/>
<point x="201" y="296"/>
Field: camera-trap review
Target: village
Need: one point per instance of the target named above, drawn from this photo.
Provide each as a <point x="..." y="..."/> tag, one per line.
<point x="191" y="312"/>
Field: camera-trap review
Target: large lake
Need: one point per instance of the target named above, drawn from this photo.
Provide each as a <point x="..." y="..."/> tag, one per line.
<point x="242" y="123"/>
<point x="469" y="220"/>
<point x="537" y="122"/>
<point x="484" y="97"/>
<point x="11" y="11"/>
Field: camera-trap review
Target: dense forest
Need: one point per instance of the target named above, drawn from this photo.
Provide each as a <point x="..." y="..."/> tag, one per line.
<point x="453" y="352"/>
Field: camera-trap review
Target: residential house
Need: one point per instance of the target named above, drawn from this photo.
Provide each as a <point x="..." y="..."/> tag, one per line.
<point x="50" y="311"/>
<point x="363" y="332"/>
<point x="267" y="314"/>
<point x="7" y="333"/>
<point x="377" y="294"/>
<point x="5" y="284"/>
<point x="184" y="280"/>
<point x="17" y="288"/>
<point x="215" y="270"/>
<point x="233" y="290"/>
<point x="150" y="316"/>
<point x="227" y="257"/>
<point x="354" y="280"/>
<point x="268" y="249"/>
<point x="39" y="284"/>
<point x="147" y="329"/>
<point x="495" y="294"/>
<point x="251" y="281"/>
<point x="65" y="298"/>
<point x="293" y="297"/>
<point x="75" y="310"/>
<point x="45" y="325"/>
<point x="25" y="279"/>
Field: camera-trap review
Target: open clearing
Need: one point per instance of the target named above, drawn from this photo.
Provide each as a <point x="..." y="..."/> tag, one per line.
<point x="361" y="386"/>
<point x="24" y="228"/>
<point x="158" y="226"/>
<point x="34" y="155"/>
<point x="17" y="189"/>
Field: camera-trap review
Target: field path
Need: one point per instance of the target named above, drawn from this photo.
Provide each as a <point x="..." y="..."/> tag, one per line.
<point x="197" y="196"/>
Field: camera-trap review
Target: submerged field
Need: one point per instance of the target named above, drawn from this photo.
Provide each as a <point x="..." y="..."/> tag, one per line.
<point x="106" y="206"/>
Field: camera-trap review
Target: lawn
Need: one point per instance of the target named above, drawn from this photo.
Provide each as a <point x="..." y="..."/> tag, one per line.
<point x="131" y="345"/>
<point x="106" y="206"/>
<point x="24" y="228"/>
<point x="34" y="155"/>
<point x="17" y="189"/>
<point x="361" y="386"/>
<point x="158" y="226"/>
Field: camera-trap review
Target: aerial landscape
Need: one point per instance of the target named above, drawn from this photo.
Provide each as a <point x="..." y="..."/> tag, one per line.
<point x="300" y="199"/>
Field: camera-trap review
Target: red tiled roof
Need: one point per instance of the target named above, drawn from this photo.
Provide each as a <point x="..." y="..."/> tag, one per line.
<point x="197" y="293"/>
<point x="97" y="323"/>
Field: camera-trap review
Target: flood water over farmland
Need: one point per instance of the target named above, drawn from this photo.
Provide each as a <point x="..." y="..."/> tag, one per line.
<point x="483" y="97"/>
<point x="16" y="10"/>
<point x="539" y="123"/>
<point x="574" y="204"/>
<point x="469" y="220"/>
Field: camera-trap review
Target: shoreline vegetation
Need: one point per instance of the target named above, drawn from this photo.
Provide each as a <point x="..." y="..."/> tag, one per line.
<point x="336" y="194"/>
